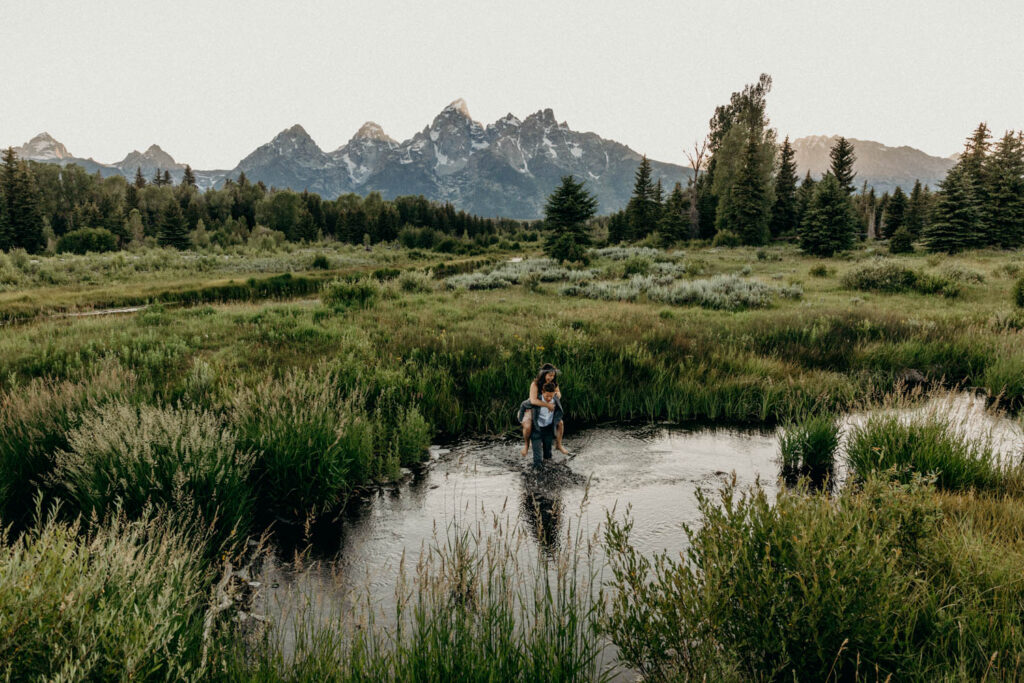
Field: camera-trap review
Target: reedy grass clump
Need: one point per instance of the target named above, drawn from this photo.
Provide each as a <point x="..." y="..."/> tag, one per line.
<point x="478" y="606"/>
<point x="890" y="277"/>
<point x="808" y="449"/>
<point x="137" y="457"/>
<point x="122" y="601"/>
<point x="930" y="447"/>
<point x="312" y="444"/>
<point x="36" y="419"/>
<point x="415" y="282"/>
<point x="878" y="582"/>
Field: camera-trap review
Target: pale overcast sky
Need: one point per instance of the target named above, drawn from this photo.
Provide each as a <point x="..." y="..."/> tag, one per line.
<point x="211" y="81"/>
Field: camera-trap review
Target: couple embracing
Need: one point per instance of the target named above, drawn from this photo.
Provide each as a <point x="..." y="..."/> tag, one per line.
<point x="541" y="415"/>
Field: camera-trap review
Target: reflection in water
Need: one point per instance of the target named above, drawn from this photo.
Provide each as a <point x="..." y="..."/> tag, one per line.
<point x="542" y="506"/>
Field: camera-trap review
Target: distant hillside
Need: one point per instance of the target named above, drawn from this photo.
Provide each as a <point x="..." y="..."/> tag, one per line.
<point x="882" y="166"/>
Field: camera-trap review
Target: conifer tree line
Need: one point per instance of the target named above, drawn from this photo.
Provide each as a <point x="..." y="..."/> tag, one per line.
<point x="749" y="192"/>
<point x="42" y="203"/>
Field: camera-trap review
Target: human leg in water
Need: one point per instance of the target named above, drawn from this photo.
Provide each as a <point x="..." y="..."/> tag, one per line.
<point x="527" y="429"/>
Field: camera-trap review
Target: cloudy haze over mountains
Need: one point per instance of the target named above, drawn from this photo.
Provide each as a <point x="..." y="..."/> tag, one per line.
<point x="505" y="168"/>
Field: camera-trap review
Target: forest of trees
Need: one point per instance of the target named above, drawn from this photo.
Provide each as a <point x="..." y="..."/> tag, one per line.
<point x="746" y="190"/>
<point x="65" y="208"/>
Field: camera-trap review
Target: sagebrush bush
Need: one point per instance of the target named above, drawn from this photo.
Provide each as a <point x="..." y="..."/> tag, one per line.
<point x="927" y="447"/>
<point x="414" y="282"/>
<point x="125" y="601"/>
<point x="721" y="292"/>
<point x="808" y="449"/>
<point x="134" y="457"/>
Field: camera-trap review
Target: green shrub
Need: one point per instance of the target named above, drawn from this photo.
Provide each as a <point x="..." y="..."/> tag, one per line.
<point x="725" y="238"/>
<point x="386" y="274"/>
<point x="341" y="294"/>
<point x="85" y="240"/>
<point x="121" y="602"/>
<point x="891" y="277"/>
<point x="808" y="449"/>
<point x="636" y="265"/>
<point x="137" y="457"/>
<point x="901" y="242"/>
<point x="414" y="282"/>
<point x="1018" y="293"/>
<point x="820" y="270"/>
<point x="926" y="447"/>
<point x="320" y="262"/>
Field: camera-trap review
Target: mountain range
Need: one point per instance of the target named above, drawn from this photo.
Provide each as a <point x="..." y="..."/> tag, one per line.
<point x="506" y="168"/>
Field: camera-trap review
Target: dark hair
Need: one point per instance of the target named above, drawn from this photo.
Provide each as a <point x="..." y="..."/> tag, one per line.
<point x="549" y="387"/>
<point x="542" y="376"/>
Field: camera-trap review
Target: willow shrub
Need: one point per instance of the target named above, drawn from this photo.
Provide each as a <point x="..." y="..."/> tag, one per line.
<point x="125" y="601"/>
<point x="875" y="583"/>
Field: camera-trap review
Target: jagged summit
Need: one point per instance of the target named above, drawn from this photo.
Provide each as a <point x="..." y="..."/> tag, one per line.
<point x="153" y="158"/>
<point x="372" y="131"/>
<point x="43" y="147"/>
<point x="459" y="106"/>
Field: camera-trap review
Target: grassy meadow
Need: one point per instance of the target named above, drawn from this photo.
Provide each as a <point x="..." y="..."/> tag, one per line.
<point x="140" y="452"/>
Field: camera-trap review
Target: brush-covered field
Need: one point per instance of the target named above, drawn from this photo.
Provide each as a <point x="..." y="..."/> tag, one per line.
<point x="141" y="452"/>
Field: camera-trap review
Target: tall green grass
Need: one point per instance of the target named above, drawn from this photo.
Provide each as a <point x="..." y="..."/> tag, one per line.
<point x="477" y="606"/>
<point x="124" y="601"/>
<point x="136" y="457"/>
<point x="808" y="449"/>
<point x="878" y="584"/>
<point x="931" y="447"/>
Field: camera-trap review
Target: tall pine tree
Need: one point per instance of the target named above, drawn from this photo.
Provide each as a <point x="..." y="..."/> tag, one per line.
<point x="642" y="209"/>
<point x="956" y="219"/>
<point x="750" y="208"/>
<point x="173" y="229"/>
<point x="566" y="214"/>
<point x="917" y="210"/>
<point x="140" y="180"/>
<point x="829" y="224"/>
<point x="189" y="179"/>
<point x="842" y="159"/>
<point x="24" y="217"/>
<point x="674" y="224"/>
<point x="1003" y="210"/>
<point x="894" y="216"/>
<point x="803" y="197"/>
<point x="785" y="210"/>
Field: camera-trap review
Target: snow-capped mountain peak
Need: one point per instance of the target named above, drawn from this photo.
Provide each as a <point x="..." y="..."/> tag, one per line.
<point x="372" y="131"/>
<point x="460" y="107"/>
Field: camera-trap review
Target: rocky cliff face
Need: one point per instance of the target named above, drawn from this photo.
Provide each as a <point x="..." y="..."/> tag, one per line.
<point x="43" y="148"/>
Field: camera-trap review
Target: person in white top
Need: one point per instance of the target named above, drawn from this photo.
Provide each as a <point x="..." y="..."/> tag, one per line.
<point x="548" y="374"/>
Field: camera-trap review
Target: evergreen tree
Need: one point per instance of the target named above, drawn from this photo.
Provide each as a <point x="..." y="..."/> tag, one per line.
<point x="6" y="234"/>
<point x="173" y="229"/>
<point x="974" y="162"/>
<point x="674" y="224"/>
<point x="167" y="178"/>
<point x="842" y="161"/>
<point x="189" y="179"/>
<point x="829" y="224"/>
<point x="24" y="217"/>
<point x="707" y="207"/>
<point x="641" y="210"/>
<point x="1003" y="210"/>
<point x="785" y="210"/>
<point x="917" y="208"/>
<point x="618" y="227"/>
<point x="158" y="178"/>
<point x="956" y="219"/>
<point x="894" y="217"/>
<point x="750" y="211"/>
<point x="803" y="197"/>
<point x="140" y="180"/>
<point x="566" y="214"/>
